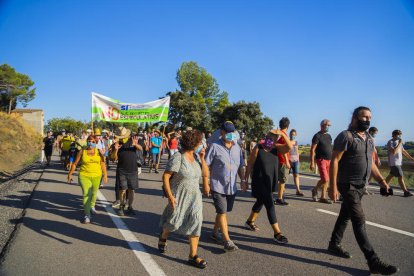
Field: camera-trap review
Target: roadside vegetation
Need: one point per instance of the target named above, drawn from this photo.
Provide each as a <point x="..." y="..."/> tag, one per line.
<point x="20" y="144"/>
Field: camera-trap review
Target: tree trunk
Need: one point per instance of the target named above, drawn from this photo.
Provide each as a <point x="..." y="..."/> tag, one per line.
<point x="10" y="104"/>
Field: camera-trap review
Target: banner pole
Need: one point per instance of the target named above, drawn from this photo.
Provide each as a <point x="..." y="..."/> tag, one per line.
<point x="92" y="112"/>
<point x="162" y="145"/>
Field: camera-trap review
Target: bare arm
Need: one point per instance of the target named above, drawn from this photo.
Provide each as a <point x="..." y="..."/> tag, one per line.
<point x="284" y="148"/>
<point x="287" y="161"/>
<point x="167" y="188"/>
<point x="394" y="150"/>
<point x="375" y="172"/>
<point x="114" y="151"/>
<point x="406" y="154"/>
<point x="205" y="173"/>
<point x="242" y="172"/>
<point x="312" y="157"/>
<point x="333" y="173"/>
<point x="135" y="143"/>
<point x="73" y="168"/>
<point x="250" y="163"/>
<point x="376" y="157"/>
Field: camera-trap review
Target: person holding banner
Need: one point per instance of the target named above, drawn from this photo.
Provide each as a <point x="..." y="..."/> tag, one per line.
<point x="156" y="150"/>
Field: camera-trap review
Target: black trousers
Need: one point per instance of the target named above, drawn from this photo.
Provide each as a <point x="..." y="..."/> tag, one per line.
<point x="267" y="201"/>
<point x="117" y="186"/>
<point x="351" y="209"/>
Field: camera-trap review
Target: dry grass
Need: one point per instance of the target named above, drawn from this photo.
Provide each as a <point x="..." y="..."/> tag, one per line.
<point x="19" y="143"/>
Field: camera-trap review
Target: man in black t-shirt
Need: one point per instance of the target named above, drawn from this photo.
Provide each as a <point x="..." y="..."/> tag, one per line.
<point x="321" y="150"/>
<point x="125" y="151"/>
<point x="351" y="167"/>
<point x="48" y="141"/>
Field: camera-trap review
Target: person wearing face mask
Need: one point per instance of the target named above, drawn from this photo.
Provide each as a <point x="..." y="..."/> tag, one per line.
<point x="184" y="212"/>
<point x="350" y="169"/>
<point x="395" y="156"/>
<point x="91" y="170"/>
<point x="263" y="162"/>
<point x="294" y="161"/>
<point x="321" y="150"/>
<point x="225" y="159"/>
<point x="125" y="151"/>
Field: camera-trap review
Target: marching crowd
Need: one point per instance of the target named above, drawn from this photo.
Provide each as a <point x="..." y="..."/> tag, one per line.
<point x="345" y="165"/>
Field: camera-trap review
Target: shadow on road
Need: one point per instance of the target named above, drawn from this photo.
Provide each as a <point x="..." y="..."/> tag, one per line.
<point x="70" y="207"/>
<point x="48" y="227"/>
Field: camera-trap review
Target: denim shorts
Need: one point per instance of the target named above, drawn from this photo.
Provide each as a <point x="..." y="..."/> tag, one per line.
<point x="294" y="167"/>
<point x="155" y="157"/>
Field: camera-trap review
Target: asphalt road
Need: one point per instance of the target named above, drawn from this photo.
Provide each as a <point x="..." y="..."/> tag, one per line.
<point x="52" y="241"/>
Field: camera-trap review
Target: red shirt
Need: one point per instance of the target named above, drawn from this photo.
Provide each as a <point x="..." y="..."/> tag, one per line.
<point x="282" y="156"/>
<point x="173" y="144"/>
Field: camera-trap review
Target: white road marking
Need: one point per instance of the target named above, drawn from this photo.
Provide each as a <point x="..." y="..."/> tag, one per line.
<point x="373" y="224"/>
<point x="149" y="264"/>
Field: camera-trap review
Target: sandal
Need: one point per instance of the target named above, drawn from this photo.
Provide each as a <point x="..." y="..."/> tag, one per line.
<point x="162" y="244"/>
<point x="279" y="238"/>
<point x="252" y="226"/>
<point x="200" y="264"/>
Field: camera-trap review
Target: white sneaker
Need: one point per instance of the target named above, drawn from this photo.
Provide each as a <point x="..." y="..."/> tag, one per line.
<point x="86" y="220"/>
<point x="93" y="211"/>
<point x="139" y="170"/>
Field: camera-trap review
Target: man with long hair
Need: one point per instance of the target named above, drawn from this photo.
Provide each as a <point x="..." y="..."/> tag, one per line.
<point x="351" y="166"/>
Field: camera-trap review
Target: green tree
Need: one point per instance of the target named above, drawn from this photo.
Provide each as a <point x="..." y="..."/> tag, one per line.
<point x="247" y="117"/>
<point x="14" y="88"/>
<point x="68" y="124"/>
<point x="199" y="99"/>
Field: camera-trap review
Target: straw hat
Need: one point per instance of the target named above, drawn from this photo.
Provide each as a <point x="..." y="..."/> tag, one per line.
<point x="97" y="132"/>
<point x="122" y="133"/>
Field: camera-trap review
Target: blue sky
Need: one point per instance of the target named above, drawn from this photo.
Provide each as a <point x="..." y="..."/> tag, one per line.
<point x="307" y="60"/>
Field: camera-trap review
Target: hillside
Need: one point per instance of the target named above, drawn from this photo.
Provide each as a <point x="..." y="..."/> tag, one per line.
<point x="20" y="145"/>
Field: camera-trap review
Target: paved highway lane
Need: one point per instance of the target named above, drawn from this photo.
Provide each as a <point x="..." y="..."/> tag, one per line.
<point x="52" y="240"/>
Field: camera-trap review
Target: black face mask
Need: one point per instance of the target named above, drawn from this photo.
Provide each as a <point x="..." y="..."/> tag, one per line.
<point x="363" y="125"/>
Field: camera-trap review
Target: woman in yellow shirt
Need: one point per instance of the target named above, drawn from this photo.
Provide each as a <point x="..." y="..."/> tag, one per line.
<point x="90" y="174"/>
